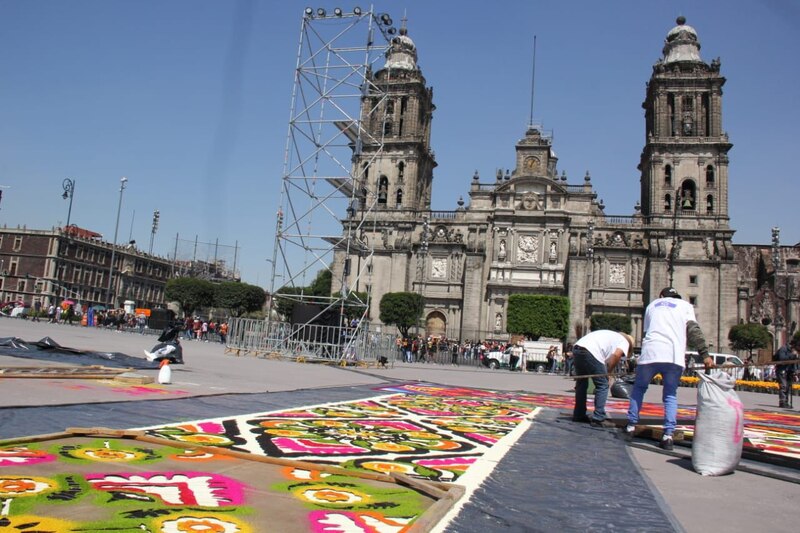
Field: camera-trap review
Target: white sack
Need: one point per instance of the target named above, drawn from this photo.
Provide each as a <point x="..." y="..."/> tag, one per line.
<point x="719" y="428"/>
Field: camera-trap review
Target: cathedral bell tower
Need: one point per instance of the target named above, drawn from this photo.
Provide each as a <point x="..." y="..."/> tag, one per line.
<point x="394" y="168"/>
<point x="684" y="164"/>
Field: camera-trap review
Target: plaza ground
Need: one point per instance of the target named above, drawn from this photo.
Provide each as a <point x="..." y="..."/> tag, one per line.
<point x="738" y="502"/>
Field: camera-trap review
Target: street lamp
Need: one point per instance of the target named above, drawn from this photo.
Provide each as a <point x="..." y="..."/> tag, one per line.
<point x="109" y="297"/>
<point x="69" y="192"/>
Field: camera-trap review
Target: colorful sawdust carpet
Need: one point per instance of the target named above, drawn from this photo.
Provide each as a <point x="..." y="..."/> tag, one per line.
<point x="71" y="484"/>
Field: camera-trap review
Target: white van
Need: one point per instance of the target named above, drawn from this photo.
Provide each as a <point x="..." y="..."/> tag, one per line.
<point x="722" y="360"/>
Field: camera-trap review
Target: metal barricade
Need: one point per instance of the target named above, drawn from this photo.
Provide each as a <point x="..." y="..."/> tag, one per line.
<point x="310" y="342"/>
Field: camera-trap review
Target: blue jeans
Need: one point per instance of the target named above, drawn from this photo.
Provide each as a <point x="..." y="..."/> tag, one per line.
<point x="670" y="378"/>
<point x="586" y="364"/>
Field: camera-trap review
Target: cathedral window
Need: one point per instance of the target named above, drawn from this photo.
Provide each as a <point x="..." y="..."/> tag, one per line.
<point x="399" y="197"/>
<point x="383" y="189"/>
<point x="688" y="196"/>
<point x="400" y="127"/>
<point x="366" y="170"/>
<point x="668" y="175"/>
<point x="709" y="176"/>
<point x="390" y="107"/>
<point x="709" y="203"/>
<point x="387" y="129"/>
<point x="403" y="105"/>
<point x="706" y="114"/>
<point x="671" y="111"/>
<point x="667" y="202"/>
<point x="401" y="169"/>
<point x="687" y="121"/>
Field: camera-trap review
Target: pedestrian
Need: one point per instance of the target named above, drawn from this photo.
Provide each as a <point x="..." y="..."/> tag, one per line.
<point x="552" y="359"/>
<point x="51" y="313"/>
<point x="670" y="326"/>
<point x="454" y="354"/>
<point x="595" y="354"/>
<point x="37" y="310"/>
<point x="223" y="332"/>
<point x="785" y="372"/>
<point x="568" y="360"/>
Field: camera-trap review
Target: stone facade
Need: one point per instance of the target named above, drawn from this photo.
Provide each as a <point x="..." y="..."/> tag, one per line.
<point x="529" y="230"/>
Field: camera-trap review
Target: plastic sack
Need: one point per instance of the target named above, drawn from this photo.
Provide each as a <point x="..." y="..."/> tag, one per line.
<point x="719" y="427"/>
<point x="622" y="388"/>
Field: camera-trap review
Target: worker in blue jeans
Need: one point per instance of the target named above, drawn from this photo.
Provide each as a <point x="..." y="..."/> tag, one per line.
<point x="594" y="354"/>
<point x="670" y="325"/>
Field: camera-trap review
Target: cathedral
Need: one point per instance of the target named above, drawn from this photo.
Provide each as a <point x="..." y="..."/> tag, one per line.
<point x="530" y="231"/>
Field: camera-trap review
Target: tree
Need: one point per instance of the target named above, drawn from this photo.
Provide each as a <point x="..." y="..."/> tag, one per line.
<point x="355" y="304"/>
<point x="238" y="298"/>
<point x="321" y="286"/>
<point x="749" y="337"/>
<point x="284" y="300"/>
<point x="611" y="321"/>
<point x="536" y="315"/>
<point x="403" y="309"/>
<point x="190" y="293"/>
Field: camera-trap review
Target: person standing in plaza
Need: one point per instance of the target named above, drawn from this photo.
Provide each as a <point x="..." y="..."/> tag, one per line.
<point x="785" y="372"/>
<point x="670" y="326"/>
<point x="594" y="355"/>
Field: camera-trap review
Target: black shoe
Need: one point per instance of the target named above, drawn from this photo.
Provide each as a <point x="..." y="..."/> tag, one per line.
<point x="602" y="424"/>
<point x="583" y="419"/>
<point x="666" y="443"/>
<point x="783" y="405"/>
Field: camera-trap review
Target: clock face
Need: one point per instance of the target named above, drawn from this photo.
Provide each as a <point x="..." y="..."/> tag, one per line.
<point x="531" y="164"/>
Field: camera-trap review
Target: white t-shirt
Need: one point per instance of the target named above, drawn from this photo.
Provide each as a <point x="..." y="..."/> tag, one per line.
<point x="603" y="343"/>
<point x="665" y="331"/>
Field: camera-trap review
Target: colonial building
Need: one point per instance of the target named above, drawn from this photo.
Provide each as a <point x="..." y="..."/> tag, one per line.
<point x="50" y="266"/>
<point x="530" y="230"/>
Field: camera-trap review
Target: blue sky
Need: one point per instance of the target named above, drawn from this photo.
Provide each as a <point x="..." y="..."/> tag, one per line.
<point x="189" y="99"/>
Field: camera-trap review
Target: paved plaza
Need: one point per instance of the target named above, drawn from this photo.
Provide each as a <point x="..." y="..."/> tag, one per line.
<point x="506" y="437"/>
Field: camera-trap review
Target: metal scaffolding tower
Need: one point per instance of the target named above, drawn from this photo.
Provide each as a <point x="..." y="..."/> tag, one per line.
<point x="321" y="188"/>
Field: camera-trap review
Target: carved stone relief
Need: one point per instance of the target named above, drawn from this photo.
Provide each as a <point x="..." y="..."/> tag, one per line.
<point x="527" y="249"/>
<point x="617" y="274"/>
<point x="439" y="268"/>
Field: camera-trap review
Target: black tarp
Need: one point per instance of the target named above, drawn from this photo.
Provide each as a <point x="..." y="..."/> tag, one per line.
<point x="47" y="349"/>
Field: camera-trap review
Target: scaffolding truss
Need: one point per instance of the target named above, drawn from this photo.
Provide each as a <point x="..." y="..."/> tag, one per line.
<point x="321" y="188"/>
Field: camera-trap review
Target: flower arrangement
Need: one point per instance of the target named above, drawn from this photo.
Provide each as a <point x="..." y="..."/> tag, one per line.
<point x="770" y="387"/>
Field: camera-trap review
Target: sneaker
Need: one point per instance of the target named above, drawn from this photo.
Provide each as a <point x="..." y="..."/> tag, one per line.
<point x="666" y="443"/>
<point x="602" y="423"/>
<point x="627" y="432"/>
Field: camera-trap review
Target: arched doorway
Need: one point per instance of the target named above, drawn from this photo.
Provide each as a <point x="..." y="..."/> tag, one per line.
<point x="435" y="324"/>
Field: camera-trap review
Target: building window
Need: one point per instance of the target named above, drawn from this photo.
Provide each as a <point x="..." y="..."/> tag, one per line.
<point x="688" y="195"/>
<point x="668" y="175"/>
<point x="99" y="278"/>
<point x="1" y="241"/>
<point x="399" y="197"/>
<point x="387" y="129"/>
<point x="709" y="176"/>
<point x="90" y="257"/>
<point x="692" y="280"/>
<point x="101" y="258"/>
<point x="390" y="107"/>
<point x="12" y="267"/>
<point x="17" y="243"/>
<point x="79" y="253"/>
<point x="383" y="188"/>
<point x="403" y="105"/>
<point x="709" y="203"/>
<point x="21" y="285"/>
<point x="667" y="203"/>
<point x="693" y="300"/>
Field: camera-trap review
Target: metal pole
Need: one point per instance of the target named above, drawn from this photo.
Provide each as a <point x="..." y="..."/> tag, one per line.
<point x="278" y="230"/>
<point x="109" y="298"/>
<point x="156" y="215"/>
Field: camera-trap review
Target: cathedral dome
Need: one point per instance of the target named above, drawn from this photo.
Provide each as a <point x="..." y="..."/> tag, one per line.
<point x="682" y="43"/>
<point x="402" y="53"/>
